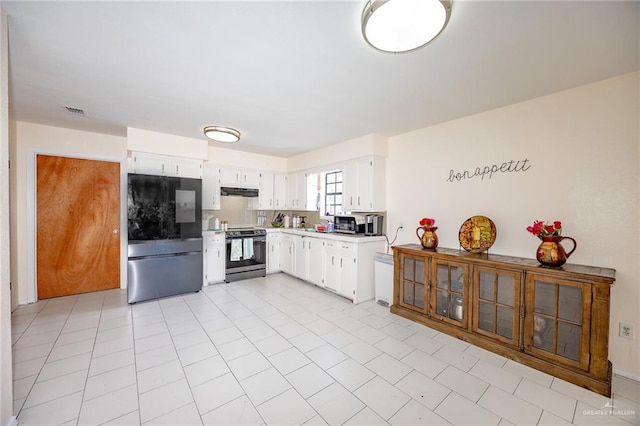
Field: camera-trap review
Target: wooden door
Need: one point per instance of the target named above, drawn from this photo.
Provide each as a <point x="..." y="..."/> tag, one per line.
<point x="78" y="225"/>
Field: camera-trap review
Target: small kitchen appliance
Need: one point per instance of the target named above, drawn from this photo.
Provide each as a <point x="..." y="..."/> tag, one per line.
<point x="351" y="224"/>
<point x="373" y="225"/>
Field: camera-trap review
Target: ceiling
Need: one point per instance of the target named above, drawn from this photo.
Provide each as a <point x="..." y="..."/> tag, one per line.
<point x="294" y="76"/>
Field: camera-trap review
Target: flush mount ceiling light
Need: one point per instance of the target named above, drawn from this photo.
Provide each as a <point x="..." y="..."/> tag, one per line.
<point x="403" y="25"/>
<point x="222" y="134"/>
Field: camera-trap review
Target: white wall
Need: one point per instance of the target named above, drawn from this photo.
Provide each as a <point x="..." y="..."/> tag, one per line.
<point x="233" y="158"/>
<point x="165" y="144"/>
<point x="371" y="144"/>
<point x="6" y="375"/>
<point x="583" y="149"/>
<point x="27" y="140"/>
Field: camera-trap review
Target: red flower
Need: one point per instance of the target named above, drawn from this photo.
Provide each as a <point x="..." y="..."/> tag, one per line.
<point x="542" y="229"/>
<point x="427" y="222"/>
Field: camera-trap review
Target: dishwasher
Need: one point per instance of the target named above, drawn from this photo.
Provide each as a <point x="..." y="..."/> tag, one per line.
<point x="383" y="277"/>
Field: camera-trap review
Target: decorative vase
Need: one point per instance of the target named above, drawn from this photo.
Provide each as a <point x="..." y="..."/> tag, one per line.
<point x="428" y="239"/>
<point x="551" y="253"/>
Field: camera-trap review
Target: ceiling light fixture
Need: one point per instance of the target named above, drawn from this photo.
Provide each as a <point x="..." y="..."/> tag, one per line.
<point x="403" y="25"/>
<point x="222" y="134"/>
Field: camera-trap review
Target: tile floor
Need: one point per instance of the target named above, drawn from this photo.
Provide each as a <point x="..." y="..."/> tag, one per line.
<point x="274" y="351"/>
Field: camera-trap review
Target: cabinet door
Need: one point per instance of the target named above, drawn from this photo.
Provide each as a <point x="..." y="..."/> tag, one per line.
<point x="265" y="196"/>
<point x="279" y="191"/>
<point x="300" y="255"/>
<point x="250" y="178"/>
<point x="347" y="273"/>
<point x="273" y="253"/>
<point x="350" y="186"/>
<point x="314" y="260"/>
<point x="287" y="248"/>
<point x="449" y="298"/>
<point x="211" y="187"/>
<point x="414" y="283"/>
<point x="149" y="164"/>
<point x="557" y="320"/>
<point x="496" y="304"/>
<point x="215" y="258"/>
<point x="186" y="167"/>
<point x="330" y="265"/>
<point x="230" y="176"/>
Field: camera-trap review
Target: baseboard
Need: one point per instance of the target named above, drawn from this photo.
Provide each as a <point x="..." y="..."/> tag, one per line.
<point x="627" y="374"/>
<point x="13" y="421"/>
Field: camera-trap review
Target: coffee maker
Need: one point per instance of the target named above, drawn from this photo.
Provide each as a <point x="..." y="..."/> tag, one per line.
<point x="373" y="225"/>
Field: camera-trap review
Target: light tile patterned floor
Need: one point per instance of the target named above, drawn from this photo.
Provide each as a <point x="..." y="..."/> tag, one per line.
<point x="274" y="351"/>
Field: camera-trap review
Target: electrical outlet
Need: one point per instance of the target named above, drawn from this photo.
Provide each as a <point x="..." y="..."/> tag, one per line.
<point x="625" y="330"/>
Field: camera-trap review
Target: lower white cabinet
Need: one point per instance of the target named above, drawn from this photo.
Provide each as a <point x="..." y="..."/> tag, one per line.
<point x="314" y="260"/>
<point x="347" y="272"/>
<point x="273" y="252"/>
<point x="287" y="252"/>
<point x="214" y="257"/>
<point x="330" y="265"/>
<point x="342" y="264"/>
<point x="300" y="257"/>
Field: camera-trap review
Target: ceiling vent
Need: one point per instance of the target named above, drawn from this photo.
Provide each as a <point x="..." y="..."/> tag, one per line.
<point x="75" y="111"/>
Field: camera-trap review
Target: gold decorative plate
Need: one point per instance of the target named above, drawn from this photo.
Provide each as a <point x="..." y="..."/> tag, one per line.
<point x="477" y="234"/>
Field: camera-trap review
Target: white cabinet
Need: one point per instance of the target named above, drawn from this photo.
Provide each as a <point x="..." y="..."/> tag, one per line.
<point x="265" y="194"/>
<point x="187" y="168"/>
<point x="314" y="260"/>
<point x="340" y="267"/>
<point x="273" y="252"/>
<point x="164" y="165"/>
<point x="279" y="191"/>
<point x="235" y="176"/>
<point x="330" y="265"/>
<point x="364" y="184"/>
<point x="287" y="254"/>
<point x="214" y="257"/>
<point x="149" y="164"/>
<point x="297" y="191"/>
<point x="342" y="264"/>
<point x="347" y="271"/>
<point x="301" y="257"/>
<point x="211" y="187"/>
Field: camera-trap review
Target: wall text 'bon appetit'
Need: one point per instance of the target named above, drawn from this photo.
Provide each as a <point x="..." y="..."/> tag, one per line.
<point x="512" y="166"/>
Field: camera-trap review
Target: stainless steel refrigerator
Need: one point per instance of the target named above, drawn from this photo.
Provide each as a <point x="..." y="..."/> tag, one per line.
<point x="165" y="236"/>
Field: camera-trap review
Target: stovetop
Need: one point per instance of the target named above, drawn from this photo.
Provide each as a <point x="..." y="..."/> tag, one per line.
<point x="245" y="232"/>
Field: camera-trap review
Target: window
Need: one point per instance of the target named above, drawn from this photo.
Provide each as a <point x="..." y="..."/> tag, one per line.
<point x="333" y="192"/>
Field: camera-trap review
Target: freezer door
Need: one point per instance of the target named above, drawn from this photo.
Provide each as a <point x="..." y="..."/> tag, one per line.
<point x="161" y="276"/>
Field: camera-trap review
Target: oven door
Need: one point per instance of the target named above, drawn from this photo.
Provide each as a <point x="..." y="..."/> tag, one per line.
<point x="246" y="257"/>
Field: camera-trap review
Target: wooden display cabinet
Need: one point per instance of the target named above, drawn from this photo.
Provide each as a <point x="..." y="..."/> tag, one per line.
<point x="553" y="319"/>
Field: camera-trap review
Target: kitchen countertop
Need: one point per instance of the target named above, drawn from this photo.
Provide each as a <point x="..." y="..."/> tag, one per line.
<point x="309" y="232"/>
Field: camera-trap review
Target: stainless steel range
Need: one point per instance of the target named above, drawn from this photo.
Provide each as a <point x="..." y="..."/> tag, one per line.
<point x="246" y="253"/>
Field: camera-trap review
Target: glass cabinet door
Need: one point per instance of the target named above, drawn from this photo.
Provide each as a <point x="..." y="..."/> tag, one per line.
<point x="449" y="301"/>
<point x="413" y="283"/>
<point x="496" y="304"/>
<point x="557" y="320"/>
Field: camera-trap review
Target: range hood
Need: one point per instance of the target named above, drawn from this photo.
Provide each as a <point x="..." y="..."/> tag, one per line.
<point x="238" y="192"/>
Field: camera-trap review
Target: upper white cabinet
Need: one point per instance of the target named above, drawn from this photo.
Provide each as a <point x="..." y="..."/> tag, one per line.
<point x="164" y="165"/>
<point x="210" y="187"/>
<point x="364" y="184"/>
<point x="297" y="192"/>
<point x="265" y="194"/>
<point x="279" y="191"/>
<point x="235" y="176"/>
